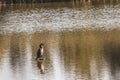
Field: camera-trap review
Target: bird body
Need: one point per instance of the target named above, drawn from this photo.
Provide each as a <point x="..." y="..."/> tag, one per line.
<point x="40" y="53"/>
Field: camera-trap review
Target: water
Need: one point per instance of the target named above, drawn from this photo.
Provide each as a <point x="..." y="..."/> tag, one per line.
<point x="82" y="42"/>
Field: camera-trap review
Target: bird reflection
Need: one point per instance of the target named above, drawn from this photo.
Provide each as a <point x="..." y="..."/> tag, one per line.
<point x="40" y="64"/>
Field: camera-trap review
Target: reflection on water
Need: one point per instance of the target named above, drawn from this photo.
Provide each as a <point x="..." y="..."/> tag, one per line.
<point x="81" y="43"/>
<point x="69" y="55"/>
<point x="41" y="67"/>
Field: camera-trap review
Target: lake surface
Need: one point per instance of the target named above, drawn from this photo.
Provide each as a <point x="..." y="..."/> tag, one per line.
<point x="82" y="41"/>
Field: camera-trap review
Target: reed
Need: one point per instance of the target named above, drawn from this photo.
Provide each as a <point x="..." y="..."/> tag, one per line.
<point x="45" y="1"/>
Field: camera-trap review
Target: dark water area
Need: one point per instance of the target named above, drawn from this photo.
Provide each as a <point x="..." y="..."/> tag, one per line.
<point x="82" y="41"/>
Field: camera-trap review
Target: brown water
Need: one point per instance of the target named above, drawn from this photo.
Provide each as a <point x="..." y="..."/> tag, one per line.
<point x="81" y="42"/>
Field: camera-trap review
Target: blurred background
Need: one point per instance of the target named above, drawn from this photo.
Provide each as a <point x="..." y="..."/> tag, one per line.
<point x="81" y="38"/>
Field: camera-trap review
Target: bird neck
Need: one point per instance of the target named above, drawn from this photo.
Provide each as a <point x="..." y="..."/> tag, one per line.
<point x="41" y="50"/>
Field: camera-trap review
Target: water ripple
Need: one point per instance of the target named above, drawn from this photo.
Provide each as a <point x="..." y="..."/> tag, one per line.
<point x="59" y="19"/>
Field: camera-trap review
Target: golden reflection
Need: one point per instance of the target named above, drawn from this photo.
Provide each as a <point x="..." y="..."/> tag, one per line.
<point x="81" y="53"/>
<point x="4" y="45"/>
<point x="85" y="49"/>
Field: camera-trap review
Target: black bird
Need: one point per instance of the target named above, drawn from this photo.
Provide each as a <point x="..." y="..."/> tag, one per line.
<point x="40" y="52"/>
